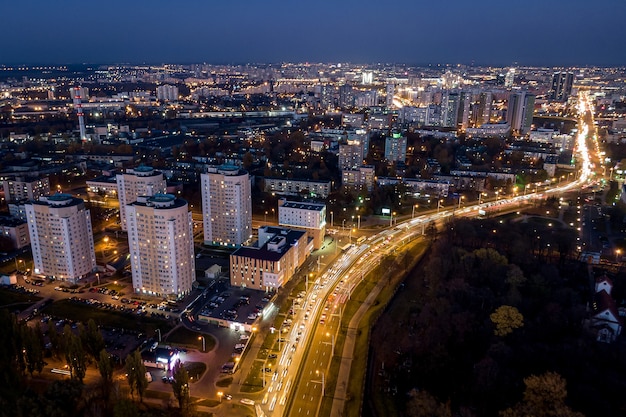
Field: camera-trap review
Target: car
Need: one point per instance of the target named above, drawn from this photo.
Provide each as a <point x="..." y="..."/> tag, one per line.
<point x="246" y="401"/>
<point x="271" y="356"/>
<point x="267" y="369"/>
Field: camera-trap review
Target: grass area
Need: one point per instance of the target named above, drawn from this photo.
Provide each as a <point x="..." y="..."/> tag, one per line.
<point x="11" y="297"/>
<point x="78" y="312"/>
<point x="195" y="369"/>
<point x="189" y="338"/>
<point x="223" y="383"/>
<point x="254" y="379"/>
<point x="161" y="395"/>
<point x="207" y="403"/>
<point x="116" y="287"/>
<point x="387" y="270"/>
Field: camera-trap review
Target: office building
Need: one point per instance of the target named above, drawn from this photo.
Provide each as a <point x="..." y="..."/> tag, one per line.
<point x="395" y="148"/>
<point x="141" y="181"/>
<point x="271" y="264"/>
<point x="308" y="217"/>
<point x="61" y="237"/>
<point x="226" y="205"/>
<point x="160" y="244"/>
<point x="562" y="83"/>
<point x="20" y="188"/>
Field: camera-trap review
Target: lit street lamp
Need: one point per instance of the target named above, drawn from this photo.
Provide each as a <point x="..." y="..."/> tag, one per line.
<point x="414" y="206"/>
<point x="323" y="381"/>
<point x="220" y="394"/>
<point x="203" y="342"/>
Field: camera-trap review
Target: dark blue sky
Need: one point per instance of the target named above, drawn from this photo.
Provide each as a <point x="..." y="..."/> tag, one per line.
<point x="503" y="32"/>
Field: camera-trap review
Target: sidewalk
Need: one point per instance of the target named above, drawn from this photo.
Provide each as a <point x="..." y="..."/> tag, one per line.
<point x="343" y="376"/>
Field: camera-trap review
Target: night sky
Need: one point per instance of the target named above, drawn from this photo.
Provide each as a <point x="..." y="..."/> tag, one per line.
<point x="503" y="32"/>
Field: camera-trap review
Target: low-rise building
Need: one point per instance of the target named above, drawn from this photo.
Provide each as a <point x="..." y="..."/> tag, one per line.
<point x="308" y="217"/>
<point x="291" y="186"/>
<point x="16" y="230"/>
<point x="268" y="266"/>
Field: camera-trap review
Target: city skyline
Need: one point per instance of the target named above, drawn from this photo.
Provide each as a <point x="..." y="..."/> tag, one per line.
<point x="550" y="33"/>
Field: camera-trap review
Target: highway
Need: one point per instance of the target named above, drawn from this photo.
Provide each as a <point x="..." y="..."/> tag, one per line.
<point x="297" y="386"/>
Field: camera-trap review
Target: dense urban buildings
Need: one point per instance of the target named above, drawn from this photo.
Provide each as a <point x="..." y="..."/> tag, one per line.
<point x="226" y="205"/>
<point x="61" y="238"/>
<point x="160" y="240"/>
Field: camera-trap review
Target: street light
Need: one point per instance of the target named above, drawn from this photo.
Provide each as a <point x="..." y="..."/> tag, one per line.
<point x="203" y="342"/>
<point x="159" y="331"/>
<point x="220" y="394"/>
<point x="359" y="221"/>
<point x="414" y="206"/>
<point x="343" y="224"/>
<point x="323" y="382"/>
<point x="460" y="198"/>
<point x="618" y="252"/>
<point x="331" y="219"/>
<point x="332" y="342"/>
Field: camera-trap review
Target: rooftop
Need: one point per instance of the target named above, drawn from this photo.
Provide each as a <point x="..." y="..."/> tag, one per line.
<point x="304" y="206"/>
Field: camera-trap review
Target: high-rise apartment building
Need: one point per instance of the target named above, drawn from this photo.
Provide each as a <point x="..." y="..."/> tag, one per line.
<point x="519" y="114"/>
<point x="562" y="83"/>
<point x="450" y="109"/>
<point x="346" y="96"/>
<point x="61" y="237"/>
<point x="141" y="181"/>
<point x="483" y="111"/>
<point x="465" y="102"/>
<point x="167" y="92"/>
<point x="351" y="155"/>
<point x="160" y="243"/>
<point x="395" y="148"/>
<point x="226" y="205"/>
<point x="509" y="78"/>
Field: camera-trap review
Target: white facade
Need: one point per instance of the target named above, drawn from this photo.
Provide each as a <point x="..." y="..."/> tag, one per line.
<point x="160" y="243"/>
<point x="61" y="237"/>
<point x="307" y="215"/>
<point x="226" y="205"/>
<point x="141" y="181"/>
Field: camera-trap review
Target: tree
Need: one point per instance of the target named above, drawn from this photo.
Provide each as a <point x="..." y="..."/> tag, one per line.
<point x="105" y="367"/>
<point x="423" y="404"/>
<point x="74" y="354"/>
<point x="92" y="339"/>
<point x="506" y="319"/>
<point x="33" y="348"/>
<point x="180" y="386"/>
<point x="544" y="396"/>
<point x="136" y="371"/>
<point x="125" y="408"/>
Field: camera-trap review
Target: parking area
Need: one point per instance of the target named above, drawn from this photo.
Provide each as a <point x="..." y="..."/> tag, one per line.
<point x="240" y="305"/>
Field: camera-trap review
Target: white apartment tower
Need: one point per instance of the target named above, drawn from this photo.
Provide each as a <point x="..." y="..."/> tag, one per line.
<point x="226" y="205"/>
<point x="61" y="237"/>
<point x="160" y="243"/>
<point x="141" y="181"/>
